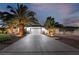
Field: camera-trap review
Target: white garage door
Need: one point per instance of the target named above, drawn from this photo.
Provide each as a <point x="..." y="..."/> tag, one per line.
<point x="35" y="30"/>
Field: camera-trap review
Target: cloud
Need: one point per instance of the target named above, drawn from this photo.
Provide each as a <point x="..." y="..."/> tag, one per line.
<point x="72" y="21"/>
<point x="2" y="10"/>
<point x="63" y="9"/>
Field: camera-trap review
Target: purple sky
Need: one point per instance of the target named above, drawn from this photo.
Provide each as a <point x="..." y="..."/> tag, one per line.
<point x="62" y="13"/>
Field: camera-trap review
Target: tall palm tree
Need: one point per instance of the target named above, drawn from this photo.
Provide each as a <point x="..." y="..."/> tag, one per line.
<point x="32" y="17"/>
<point x="22" y="13"/>
<point x="19" y="16"/>
<point x="19" y="12"/>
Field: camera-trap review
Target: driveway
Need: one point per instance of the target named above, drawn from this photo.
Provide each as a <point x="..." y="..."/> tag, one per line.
<point x="35" y="43"/>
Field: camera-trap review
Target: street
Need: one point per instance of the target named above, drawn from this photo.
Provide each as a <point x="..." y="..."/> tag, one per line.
<point x="38" y="44"/>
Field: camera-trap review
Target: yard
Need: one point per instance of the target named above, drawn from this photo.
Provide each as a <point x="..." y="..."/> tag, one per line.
<point x="6" y="40"/>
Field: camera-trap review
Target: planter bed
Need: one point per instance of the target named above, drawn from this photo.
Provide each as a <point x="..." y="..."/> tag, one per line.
<point x="6" y="40"/>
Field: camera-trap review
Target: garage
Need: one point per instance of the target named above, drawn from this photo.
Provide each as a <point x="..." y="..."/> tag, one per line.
<point x="36" y="30"/>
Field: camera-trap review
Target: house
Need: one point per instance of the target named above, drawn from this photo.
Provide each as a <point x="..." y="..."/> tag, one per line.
<point x="34" y="28"/>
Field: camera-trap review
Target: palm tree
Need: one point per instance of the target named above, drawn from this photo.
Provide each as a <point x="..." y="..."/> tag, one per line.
<point x="18" y="16"/>
<point x="32" y="17"/>
<point x="49" y="25"/>
<point x="49" y="22"/>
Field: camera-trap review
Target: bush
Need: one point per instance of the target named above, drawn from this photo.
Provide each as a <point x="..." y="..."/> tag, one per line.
<point x="4" y="37"/>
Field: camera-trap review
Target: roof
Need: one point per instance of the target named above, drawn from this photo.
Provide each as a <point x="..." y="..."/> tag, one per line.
<point x="34" y="26"/>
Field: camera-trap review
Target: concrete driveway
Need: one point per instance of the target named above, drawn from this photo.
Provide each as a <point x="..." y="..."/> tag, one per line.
<point x="38" y="44"/>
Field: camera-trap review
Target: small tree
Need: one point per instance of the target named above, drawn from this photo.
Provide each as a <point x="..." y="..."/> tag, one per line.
<point x="49" y="23"/>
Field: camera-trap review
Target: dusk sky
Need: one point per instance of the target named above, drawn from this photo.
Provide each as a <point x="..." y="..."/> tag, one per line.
<point x="63" y="13"/>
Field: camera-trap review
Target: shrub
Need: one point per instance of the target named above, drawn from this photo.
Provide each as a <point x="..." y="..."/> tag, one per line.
<point x="5" y="37"/>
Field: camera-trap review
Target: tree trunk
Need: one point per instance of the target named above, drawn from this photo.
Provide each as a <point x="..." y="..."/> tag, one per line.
<point x="21" y="30"/>
<point x="10" y="30"/>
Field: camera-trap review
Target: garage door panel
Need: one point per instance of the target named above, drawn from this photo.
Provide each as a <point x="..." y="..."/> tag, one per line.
<point x="36" y="30"/>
